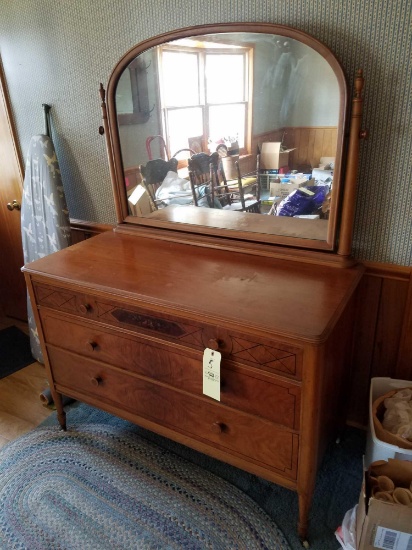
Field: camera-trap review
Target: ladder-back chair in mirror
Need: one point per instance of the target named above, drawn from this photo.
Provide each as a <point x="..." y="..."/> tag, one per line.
<point x="204" y="178"/>
<point x="249" y="189"/>
<point x="153" y="174"/>
<point x="208" y="180"/>
<point x="195" y="267"/>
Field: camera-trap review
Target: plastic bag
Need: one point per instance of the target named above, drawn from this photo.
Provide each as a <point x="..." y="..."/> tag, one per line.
<point x="172" y="185"/>
<point x="303" y="201"/>
<point x="297" y="203"/>
<point x="346" y="533"/>
<point x="320" y="192"/>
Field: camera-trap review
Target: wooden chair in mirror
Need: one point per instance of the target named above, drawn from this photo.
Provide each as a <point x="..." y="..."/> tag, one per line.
<point x="207" y="175"/>
<point x="153" y="174"/>
<point x="204" y="177"/>
<point x="248" y="191"/>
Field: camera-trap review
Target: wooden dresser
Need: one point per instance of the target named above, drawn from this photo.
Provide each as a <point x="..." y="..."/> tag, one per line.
<point x="124" y="321"/>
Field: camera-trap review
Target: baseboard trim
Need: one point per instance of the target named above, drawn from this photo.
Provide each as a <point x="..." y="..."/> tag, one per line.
<point x="90" y="227"/>
<point x="387" y="271"/>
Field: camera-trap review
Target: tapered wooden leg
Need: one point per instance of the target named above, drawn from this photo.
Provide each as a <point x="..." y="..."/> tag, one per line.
<point x="61" y="415"/>
<point x="304" y="506"/>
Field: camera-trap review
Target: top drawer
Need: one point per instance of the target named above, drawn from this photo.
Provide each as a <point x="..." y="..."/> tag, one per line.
<point x="271" y="355"/>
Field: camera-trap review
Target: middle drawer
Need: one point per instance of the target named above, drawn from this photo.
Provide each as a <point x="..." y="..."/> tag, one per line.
<point x="244" y="388"/>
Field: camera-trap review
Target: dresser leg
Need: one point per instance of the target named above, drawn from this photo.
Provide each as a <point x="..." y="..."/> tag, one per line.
<point x="304" y="505"/>
<point x="61" y="415"/>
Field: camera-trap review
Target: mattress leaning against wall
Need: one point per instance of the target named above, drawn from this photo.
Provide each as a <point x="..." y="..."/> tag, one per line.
<point x="45" y="222"/>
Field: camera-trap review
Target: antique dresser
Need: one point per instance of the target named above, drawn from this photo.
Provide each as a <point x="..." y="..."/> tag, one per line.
<point x="127" y="318"/>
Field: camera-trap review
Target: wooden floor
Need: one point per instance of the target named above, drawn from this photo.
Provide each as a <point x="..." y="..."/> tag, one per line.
<point x="20" y="407"/>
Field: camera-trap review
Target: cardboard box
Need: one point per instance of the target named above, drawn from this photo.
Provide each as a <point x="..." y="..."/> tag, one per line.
<point x="138" y="200"/>
<point x="271" y="157"/>
<point x="282" y="190"/>
<point x="382" y="524"/>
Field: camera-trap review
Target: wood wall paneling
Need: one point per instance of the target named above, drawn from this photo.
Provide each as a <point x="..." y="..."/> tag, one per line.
<point x="366" y="307"/>
<point x="81" y="230"/>
<point x="133" y="176"/>
<point x="382" y="344"/>
<point x="389" y="327"/>
<point x="309" y="143"/>
<point x="403" y="369"/>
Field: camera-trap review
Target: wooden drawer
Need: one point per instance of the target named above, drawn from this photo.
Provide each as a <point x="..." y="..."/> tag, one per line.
<point x="243" y="388"/>
<point x="243" y="435"/>
<point x="270" y="355"/>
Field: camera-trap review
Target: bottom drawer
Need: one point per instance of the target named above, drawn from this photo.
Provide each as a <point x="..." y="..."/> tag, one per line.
<point x="238" y="433"/>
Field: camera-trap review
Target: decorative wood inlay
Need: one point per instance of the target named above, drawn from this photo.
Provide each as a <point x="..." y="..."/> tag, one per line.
<point x="148" y="322"/>
<point x="55" y="298"/>
<point x="194" y="338"/>
<point x="264" y="355"/>
<point x="181" y="331"/>
<point x="103" y="309"/>
<point x="237" y="347"/>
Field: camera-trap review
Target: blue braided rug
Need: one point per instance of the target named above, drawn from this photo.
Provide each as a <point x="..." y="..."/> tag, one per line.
<point x="97" y="487"/>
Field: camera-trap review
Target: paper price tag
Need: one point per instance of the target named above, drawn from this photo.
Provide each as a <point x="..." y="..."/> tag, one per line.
<point x="211" y="373"/>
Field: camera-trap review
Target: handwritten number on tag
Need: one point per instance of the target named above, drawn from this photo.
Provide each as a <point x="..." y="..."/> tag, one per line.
<point x="211" y="373"/>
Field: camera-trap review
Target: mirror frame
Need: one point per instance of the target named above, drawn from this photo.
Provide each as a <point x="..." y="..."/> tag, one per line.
<point x="342" y="205"/>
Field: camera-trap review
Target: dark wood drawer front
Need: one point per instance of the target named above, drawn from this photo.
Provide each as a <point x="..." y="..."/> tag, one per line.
<point x="250" y="391"/>
<point x="271" y="355"/>
<point x="116" y="314"/>
<point x="246" y="436"/>
<point x="179" y="367"/>
<point x="245" y="389"/>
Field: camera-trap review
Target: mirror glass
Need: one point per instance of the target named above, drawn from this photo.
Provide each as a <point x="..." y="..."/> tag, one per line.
<point x="269" y="108"/>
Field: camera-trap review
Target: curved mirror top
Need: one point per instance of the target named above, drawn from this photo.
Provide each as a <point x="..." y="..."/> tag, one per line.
<point x="266" y="113"/>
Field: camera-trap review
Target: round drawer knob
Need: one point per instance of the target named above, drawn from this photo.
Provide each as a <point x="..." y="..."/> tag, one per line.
<point x="91" y="345"/>
<point x="214" y="344"/>
<point x="218" y="427"/>
<point x="85" y="308"/>
<point x="96" y="381"/>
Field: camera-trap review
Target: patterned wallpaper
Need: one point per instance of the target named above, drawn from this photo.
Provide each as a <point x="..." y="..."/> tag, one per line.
<point x="58" y="52"/>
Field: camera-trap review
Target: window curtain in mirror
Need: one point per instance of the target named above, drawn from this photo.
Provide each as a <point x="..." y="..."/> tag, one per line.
<point x="45" y="222"/>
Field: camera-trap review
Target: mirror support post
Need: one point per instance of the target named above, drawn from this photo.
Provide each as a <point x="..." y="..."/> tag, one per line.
<point x="349" y="196"/>
<point x="119" y="213"/>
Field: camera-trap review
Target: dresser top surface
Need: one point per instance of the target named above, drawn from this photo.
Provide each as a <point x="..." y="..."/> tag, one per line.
<point x="289" y="298"/>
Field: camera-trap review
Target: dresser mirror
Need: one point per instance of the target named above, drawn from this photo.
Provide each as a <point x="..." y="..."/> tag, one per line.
<point x="266" y="102"/>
